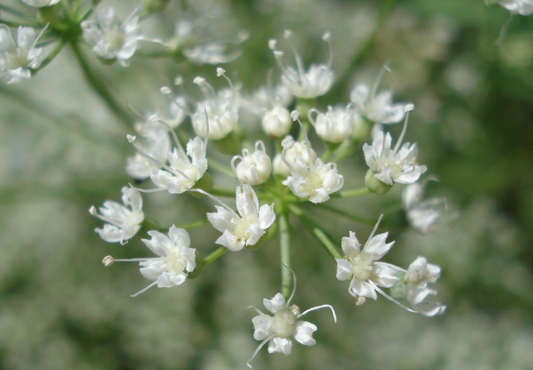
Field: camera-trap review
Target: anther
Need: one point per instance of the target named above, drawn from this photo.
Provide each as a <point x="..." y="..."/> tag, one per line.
<point x="108" y="261"/>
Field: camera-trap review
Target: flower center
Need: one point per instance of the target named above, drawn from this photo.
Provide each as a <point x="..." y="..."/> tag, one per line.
<point x="173" y="260"/>
<point x="312" y="182"/>
<point x="414" y="277"/>
<point x="17" y="60"/>
<point x="244" y="224"/>
<point x="362" y="265"/>
<point x="115" y="38"/>
<point x="284" y="323"/>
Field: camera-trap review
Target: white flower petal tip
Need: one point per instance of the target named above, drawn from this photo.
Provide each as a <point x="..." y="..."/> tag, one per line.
<point x="409" y="107"/>
<point x="522" y="7"/>
<point x="122" y="221"/>
<point x="246" y="227"/>
<point x="40" y="3"/>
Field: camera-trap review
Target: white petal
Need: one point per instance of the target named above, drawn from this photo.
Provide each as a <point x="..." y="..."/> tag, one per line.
<point x="282" y="345"/>
<point x="276" y="303"/>
<point x="304" y="332"/>
<point x="344" y="269"/>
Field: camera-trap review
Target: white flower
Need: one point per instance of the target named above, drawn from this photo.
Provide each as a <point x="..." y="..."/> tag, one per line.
<point x="294" y="151"/>
<point x="184" y="169"/>
<point x="423" y="215"/>
<point x="378" y="107"/>
<point x="189" y="37"/>
<point x="314" y="180"/>
<point x="245" y="228"/>
<point x="523" y="7"/>
<point x="334" y="126"/>
<point x="157" y="145"/>
<point x="110" y="38"/>
<point x="393" y="165"/>
<point x="17" y="59"/>
<point x="276" y="122"/>
<point x="416" y="279"/>
<point x="315" y="82"/>
<point x="221" y="108"/>
<point x="41" y="3"/>
<point x="253" y="169"/>
<point x="176" y="259"/>
<point x="123" y="221"/>
<point x="361" y="267"/>
<point x="284" y="325"/>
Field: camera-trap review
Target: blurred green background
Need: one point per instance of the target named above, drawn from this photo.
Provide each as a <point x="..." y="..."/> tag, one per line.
<point x="62" y="151"/>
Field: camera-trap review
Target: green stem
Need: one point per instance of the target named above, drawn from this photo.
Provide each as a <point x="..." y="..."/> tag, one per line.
<point x="16" y="24"/>
<point x="51" y="56"/>
<point x="353" y="193"/>
<point x="316" y="230"/>
<point x="285" y="254"/>
<point x="194" y="224"/>
<point x="97" y="84"/>
<point x="7" y="9"/>
<point x="223" y="192"/>
<point x="364" y="220"/>
<point x="213" y="256"/>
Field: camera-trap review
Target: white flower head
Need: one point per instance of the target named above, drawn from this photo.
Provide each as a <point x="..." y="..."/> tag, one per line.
<point x="253" y="169"/>
<point x="361" y="267"/>
<point x="17" y="59"/>
<point x="40" y="3"/>
<point x="398" y="164"/>
<point x="305" y="84"/>
<point x="156" y="146"/>
<point x="184" y="169"/>
<point x="377" y="106"/>
<point x="419" y="274"/>
<point x="334" y="126"/>
<point x="122" y="221"/>
<point x="294" y="150"/>
<point x="522" y="7"/>
<point x="424" y="215"/>
<point x="246" y="227"/>
<point x="110" y="38"/>
<point x="221" y="108"/>
<point x="314" y="180"/>
<point x="279" y="329"/>
<point x="174" y="262"/>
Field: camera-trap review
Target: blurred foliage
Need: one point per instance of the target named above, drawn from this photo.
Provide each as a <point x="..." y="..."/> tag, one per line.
<point x="62" y="151"/>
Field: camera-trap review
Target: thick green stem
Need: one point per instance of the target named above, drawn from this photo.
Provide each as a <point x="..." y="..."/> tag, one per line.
<point x="285" y="254"/>
<point x="97" y="84"/>
<point x="316" y="230"/>
<point x="213" y="256"/>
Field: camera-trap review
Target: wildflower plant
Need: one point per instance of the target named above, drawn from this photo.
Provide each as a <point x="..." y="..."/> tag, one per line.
<point x="294" y="169"/>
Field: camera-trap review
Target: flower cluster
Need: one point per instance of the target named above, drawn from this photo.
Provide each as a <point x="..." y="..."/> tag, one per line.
<point x="284" y="175"/>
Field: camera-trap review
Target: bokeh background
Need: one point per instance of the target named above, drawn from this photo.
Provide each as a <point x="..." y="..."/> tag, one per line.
<point x="62" y="151"/>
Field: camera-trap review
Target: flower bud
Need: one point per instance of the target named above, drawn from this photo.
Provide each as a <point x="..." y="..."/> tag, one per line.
<point x="335" y="125"/>
<point x="277" y="122"/>
<point x="253" y="169"/>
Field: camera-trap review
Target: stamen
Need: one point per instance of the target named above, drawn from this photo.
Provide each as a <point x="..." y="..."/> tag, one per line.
<point x="265" y="341"/>
<point x="108" y="261"/>
<point x="217" y="200"/>
<point x="310" y="118"/>
<point x="143" y="290"/>
<point x="408" y="107"/>
<point x="222" y="72"/>
<point x="390" y="298"/>
<point x="373" y="231"/>
<point x="295" y="115"/>
<point x="318" y="308"/>
<point x="327" y="38"/>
